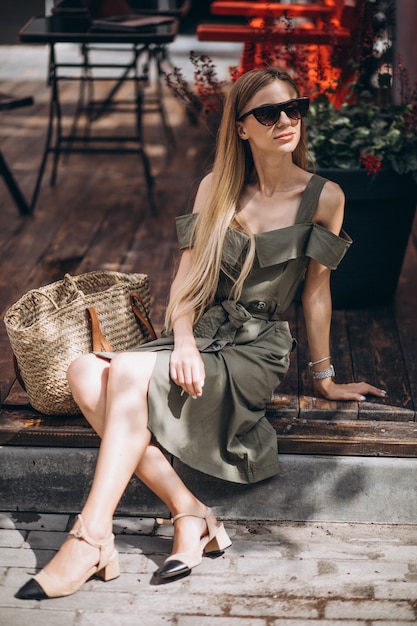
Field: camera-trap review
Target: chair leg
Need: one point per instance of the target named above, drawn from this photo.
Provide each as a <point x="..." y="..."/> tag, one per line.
<point x="13" y="187"/>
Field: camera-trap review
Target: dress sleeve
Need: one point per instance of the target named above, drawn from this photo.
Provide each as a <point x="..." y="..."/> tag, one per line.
<point x="326" y="247"/>
<point x="185" y="226"/>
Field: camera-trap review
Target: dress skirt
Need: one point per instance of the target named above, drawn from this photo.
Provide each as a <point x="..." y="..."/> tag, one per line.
<point x="223" y="433"/>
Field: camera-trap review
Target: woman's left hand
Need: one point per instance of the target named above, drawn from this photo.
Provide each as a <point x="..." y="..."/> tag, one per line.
<point x="330" y="390"/>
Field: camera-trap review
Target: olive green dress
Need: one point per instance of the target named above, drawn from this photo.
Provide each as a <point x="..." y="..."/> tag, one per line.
<point x="245" y="347"/>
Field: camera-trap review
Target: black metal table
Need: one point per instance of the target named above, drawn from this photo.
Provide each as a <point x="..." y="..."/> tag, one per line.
<point x="147" y="44"/>
<point x="8" y="102"/>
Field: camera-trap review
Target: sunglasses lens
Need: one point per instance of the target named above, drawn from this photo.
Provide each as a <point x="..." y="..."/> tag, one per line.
<point x="302" y="106"/>
<point x="267" y="115"/>
<point x="292" y="111"/>
<point x="297" y="108"/>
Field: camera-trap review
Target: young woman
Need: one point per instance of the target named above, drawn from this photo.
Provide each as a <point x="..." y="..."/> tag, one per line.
<point x="261" y="224"/>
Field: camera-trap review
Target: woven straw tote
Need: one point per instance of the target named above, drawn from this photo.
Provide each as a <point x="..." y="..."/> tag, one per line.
<point x="49" y="327"/>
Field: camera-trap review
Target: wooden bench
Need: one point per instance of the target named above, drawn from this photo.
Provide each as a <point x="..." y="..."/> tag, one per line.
<point x="97" y="218"/>
<point x="313" y="40"/>
<point x="273" y="9"/>
<point x="368" y="344"/>
<point x="331" y="22"/>
<point x="241" y="33"/>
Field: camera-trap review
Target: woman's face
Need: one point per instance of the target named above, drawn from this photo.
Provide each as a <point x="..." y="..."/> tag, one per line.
<point x="281" y="137"/>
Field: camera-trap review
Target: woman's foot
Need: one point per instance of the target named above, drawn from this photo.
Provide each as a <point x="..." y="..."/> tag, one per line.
<point x="79" y="558"/>
<point x="196" y="533"/>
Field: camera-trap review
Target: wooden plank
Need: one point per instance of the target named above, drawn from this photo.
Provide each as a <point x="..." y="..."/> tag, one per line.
<point x="27" y="428"/>
<point x="311" y="406"/>
<point x="346" y="438"/>
<point x="377" y="358"/>
<point x="366" y="344"/>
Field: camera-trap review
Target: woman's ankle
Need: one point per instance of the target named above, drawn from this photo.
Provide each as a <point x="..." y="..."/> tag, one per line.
<point x="94" y="527"/>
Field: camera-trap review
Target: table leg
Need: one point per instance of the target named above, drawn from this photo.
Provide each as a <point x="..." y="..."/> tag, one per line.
<point x="159" y="55"/>
<point x="13" y="187"/>
<point x="53" y="108"/>
<point x="139" y="96"/>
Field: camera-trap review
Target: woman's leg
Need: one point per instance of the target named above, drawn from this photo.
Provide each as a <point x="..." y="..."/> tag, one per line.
<point x="125" y="438"/>
<point x="153" y="469"/>
<point x="118" y="394"/>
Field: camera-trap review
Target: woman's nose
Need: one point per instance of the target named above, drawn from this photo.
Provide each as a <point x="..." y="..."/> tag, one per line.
<point x="283" y="119"/>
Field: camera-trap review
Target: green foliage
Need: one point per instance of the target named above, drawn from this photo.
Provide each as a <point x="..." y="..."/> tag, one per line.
<point x="380" y="136"/>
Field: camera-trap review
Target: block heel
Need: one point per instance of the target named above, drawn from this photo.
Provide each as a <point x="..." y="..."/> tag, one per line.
<point x="214" y="542"/>
<point x="220" y="542"/>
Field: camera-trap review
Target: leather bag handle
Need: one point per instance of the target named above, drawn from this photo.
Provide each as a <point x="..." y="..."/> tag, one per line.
<point x="143" y="318"/>
<point x="99" y="342"/>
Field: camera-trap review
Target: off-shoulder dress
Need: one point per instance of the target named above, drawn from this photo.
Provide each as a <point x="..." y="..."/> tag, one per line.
<point x="245" y="347"/>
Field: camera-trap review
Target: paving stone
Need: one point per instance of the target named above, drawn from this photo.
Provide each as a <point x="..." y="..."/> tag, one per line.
<point x="18" y="557"/>
<point x="282" y="574"/>
<point x="198" y="620"/>
<point x="135" y="563"/>
<point x="368" y="610"/>
<point x="291" y="622"/>
<point x="33" y="617"/>
<point x="134" y="525"/>
<point x="39" y="540"/>
<point x="33" y="521"/>
<point x="281" y="569"/>
<point x="274" y="607"/>
<point x="396" y="591"/>
<point x="113" y="619"/>
<point x="11" y="538"/>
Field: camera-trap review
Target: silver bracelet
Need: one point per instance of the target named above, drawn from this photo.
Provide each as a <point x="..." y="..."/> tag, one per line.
<point x="326" y="358"/>
<point x="329" y="373"/>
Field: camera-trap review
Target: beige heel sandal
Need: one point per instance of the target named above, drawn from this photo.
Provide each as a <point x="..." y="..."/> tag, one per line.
<point x="212" y="544"/>
<point x="43" y="585"/>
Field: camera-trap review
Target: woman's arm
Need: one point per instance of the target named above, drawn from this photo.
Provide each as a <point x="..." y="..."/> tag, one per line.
<point x="317" y="306"/>
<point x="186" y="364"/>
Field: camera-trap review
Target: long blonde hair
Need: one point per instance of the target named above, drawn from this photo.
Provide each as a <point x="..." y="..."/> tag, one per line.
<point x="232" y="170"/>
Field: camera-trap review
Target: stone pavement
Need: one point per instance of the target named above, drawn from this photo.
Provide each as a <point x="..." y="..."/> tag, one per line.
<point x="275" y="574"/>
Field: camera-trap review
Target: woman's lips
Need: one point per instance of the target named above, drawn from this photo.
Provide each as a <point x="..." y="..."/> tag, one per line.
<point x="285" y="136"/>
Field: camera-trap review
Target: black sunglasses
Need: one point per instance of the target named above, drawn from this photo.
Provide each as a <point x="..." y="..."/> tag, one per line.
<point x="269" y="114"/>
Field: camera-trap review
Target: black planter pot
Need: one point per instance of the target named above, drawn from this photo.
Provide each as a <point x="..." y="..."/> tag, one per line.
<point x="378" y="217"/>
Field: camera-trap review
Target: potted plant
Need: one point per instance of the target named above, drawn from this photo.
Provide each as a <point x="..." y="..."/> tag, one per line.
<point x="370" y="149"/>
<point x="368" y="144"/>
<point x="363" y="135"/>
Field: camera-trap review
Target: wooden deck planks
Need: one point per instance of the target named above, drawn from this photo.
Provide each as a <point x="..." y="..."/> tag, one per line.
<point x="97" y="217"/>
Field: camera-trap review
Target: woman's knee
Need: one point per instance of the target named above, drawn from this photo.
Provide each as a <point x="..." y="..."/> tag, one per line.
<point x="85" y="371"/>
<point x="134" y="368"/>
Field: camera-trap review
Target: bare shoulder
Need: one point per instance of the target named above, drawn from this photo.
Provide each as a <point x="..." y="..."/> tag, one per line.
<point x="332" y="193"/>
<point x="330" y="209"/>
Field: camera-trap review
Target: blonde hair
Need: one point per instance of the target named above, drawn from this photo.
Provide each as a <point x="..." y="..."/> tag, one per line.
<point x="232" y="170"/>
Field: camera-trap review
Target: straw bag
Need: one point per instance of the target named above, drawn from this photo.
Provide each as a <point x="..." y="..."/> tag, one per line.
<point x="49" y="327"/>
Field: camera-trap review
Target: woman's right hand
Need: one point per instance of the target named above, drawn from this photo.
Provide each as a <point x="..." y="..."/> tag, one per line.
<point x="187" y="369"/>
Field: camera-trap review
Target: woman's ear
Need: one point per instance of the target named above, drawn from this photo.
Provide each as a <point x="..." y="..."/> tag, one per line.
<point x="241" y="131"/>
